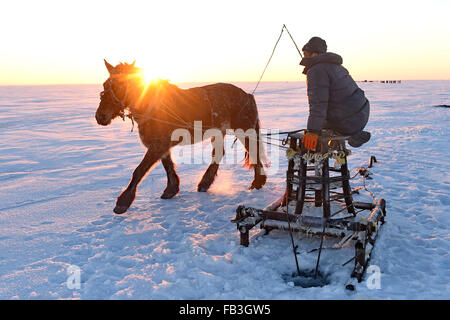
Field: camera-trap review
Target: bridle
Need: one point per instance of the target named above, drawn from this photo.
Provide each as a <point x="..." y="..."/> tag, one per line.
<point x="110" y="90"/>
<point x="117" y="101"/>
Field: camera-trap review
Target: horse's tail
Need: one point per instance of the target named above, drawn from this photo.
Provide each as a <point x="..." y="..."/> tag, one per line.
<point x="261" y="155"/>
<point x="261" y="151"/>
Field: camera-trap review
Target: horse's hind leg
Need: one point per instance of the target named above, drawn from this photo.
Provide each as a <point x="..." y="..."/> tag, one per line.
<point x="173" y="181"/>
<point x="260" y="176"/>
<point x="211" y="173"/>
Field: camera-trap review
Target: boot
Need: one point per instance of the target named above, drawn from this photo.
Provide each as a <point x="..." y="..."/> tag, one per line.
<point x="359" y="139"/>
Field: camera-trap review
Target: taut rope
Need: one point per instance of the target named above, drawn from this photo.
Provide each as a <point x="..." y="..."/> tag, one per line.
<point x="273" y="51"/>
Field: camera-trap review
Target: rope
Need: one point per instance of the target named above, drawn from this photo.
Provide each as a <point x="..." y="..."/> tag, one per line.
<point x="370" y="192"/>
<point x="172" y="113"/>
<point x="267" y="64"/>
<point x="274" y="144"/>
<point x="320" y="250"/>
<point x="188" y="126"/>
<point x="273" y="51"/>
<point x="282" y="132"/>
<point x="148" y="117"/>
<point x="284" y="26"/>
<point x="294" y="246"/>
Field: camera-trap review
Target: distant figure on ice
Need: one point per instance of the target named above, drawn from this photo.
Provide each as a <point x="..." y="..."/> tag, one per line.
<point x="335" y="101"/>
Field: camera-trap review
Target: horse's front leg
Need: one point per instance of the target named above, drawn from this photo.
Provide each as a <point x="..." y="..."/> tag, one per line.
<point x="126" y="198"/>
<point x="173" y="181"/>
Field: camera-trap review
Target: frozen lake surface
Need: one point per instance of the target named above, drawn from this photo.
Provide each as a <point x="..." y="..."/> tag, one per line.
<point x="60" y="174"/>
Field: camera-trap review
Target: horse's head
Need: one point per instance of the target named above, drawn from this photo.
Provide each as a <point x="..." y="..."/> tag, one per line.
<point x="117" y="92"/>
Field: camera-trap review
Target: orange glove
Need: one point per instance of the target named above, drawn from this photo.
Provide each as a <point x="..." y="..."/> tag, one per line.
<point x="310" y="140"/>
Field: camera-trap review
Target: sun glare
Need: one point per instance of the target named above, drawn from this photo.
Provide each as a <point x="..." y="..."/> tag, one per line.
<point x="152" y="71"/>
<point x="147" y="77"/>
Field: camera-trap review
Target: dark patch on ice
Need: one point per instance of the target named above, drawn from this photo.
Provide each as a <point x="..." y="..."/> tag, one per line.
<point x="306" y="279"/>
<point x="442" y="106"/>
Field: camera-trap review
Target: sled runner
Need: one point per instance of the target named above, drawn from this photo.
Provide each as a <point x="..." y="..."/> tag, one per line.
<point x="319" y="200"/>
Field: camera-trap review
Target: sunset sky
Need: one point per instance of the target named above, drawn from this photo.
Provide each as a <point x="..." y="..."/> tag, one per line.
<point x="62" y="42"/>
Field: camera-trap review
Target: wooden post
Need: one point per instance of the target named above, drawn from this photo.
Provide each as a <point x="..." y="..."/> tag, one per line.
<point x="360" y="261"/>
<point x="318" y="198"/>
<point x="301" y="187"/>
<point x="244" y="237"/>
<point x="292" y="144"/>
<point x="326" y="188"/>
<point x="346" y="189"/>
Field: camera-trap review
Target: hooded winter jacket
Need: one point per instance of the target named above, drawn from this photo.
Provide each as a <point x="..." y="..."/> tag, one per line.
<point x="335" y="100"/>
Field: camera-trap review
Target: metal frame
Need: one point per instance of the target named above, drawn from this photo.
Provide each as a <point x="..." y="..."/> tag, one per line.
<point x="300" y="187"/>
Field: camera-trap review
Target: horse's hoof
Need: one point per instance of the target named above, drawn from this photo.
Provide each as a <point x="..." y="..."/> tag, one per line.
<point x="258" y="183"/>
<point x="169" y="194"/>
<point x="120" y="209"/>
<point x="202" y="189"/>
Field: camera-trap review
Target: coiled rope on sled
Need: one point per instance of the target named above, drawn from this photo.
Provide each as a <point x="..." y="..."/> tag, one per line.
<point x="339" y="156"/>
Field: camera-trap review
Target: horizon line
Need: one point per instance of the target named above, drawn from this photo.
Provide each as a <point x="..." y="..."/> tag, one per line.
<point x="184" y="82"/>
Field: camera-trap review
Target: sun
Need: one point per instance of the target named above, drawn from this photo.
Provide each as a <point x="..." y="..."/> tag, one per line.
<point x="151" y="71"/>
<point x="147" y="79"/>
<point x="147" y="76"/>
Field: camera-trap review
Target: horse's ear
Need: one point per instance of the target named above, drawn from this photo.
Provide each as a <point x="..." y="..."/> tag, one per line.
<point x="109" y="67"/>
<point x="133" y="63"/>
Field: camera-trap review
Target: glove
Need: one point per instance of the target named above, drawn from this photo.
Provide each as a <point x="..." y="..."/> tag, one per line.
<point x="310" y="140"/>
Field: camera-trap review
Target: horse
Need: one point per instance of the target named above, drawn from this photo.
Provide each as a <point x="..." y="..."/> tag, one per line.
<point x="161" y="108"/>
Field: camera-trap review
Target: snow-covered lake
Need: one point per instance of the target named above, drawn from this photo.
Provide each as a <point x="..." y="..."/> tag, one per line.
<point x="60" y="174"/>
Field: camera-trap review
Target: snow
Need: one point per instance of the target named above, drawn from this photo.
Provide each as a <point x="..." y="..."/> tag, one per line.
<point x="61" y="174"/>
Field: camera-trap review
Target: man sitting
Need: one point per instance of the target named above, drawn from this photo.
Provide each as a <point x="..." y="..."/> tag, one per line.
<point x="335" y="101"/>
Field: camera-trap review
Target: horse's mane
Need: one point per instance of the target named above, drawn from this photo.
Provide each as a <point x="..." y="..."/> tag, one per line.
<point x="126" y="68"/>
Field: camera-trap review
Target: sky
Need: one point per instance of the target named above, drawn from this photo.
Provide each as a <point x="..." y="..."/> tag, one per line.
<point x="65" y="42"/>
